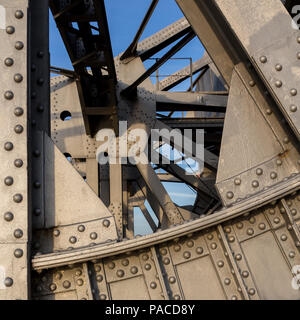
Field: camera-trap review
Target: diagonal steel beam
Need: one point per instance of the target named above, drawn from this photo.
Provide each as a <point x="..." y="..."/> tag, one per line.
<point x="130" y="89"/>
<point x="131" y="50"/>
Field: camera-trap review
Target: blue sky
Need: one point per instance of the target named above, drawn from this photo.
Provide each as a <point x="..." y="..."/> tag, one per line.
<point x="124" y="18"/>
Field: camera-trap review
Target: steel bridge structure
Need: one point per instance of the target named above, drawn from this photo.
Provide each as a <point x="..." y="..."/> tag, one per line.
<point x="67" y="221"/>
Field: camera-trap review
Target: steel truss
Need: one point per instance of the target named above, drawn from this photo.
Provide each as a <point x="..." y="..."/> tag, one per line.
<point x="67" y="230"/>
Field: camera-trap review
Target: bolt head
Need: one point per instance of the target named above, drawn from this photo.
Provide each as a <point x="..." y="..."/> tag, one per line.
<point x="293" y="92"/>
<point x="18" y="198"/>
<point x="230" y="195"/>
<point x="19" y="129"/>
<point x="18" y="233"/>
<point x="18" y="77"/>
<point x="8" y="282"/>
<point x="93" y="235"/>
<point x="255" y="184"/>
<point x="120" y="273"/>
<point x="37" y="184"/>
<point x="8" y="95"/>
<point x="8" y="62"/>
<point x="293" y="108"/>
<point x="37" y="212"/>
<point x="8" y="216"/>
<point x="18" y="111"/>
<point x="278" y="67"/>
<point x="259" y="171"/>
<point x="19" y="45"/>
<point x="66" y="284"/>
<point x="73" y="239"/>
<point x="237" y="181"/>
<point x="8" y="146"/>
<point x="10" y="30"/>
<point x="273" y="175"/>
<point x="278" y="83"/>
<point x="81" y="228"/>
<point x="153" y="285"/>
<point x="8" y="181"/>
<point x="18" y="253"/>
<point x="52" y="287"/>
<point x="263" y="59"/>
<point x="19" y="14"/>
<point x="106" y="223"/>
<point x="134" y="270"/>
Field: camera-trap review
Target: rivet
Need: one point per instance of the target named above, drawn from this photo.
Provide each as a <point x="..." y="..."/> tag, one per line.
<point x="19" y="45"/>
<point x="18" y="233"/>
<point x="245" y="274"/>
<point x="81" y="228"/>
<point x="273" y="175"/>
<point x="240" y="225"/>
<point x="36" y="153"/>
<point x="213" y="246"/>
<point x="18" y="198"/>
<point x="153" y="285"/>
<point x="97" y="268"/>
<point x="220" y="264"/>
<point x="278" y="162"/>
<point x="276" y="220"/>
<point x="111" y="265"/>
<point x="99" y="278"/>
<point x="10" y="30"/>
<point x="8" y="95"/>
<point x="259" y="171"/>
<point x="252" y="220"/>
<point x="66" y="284"/>
<point x="293" y="92"/>
<point x="163" y="251"/>
<point x="227" y="229"/>
<point x="227" y="281"/>
<point x="278" y="67"/>
<point x="298" y="39"/>
<point x="18" y="112"/>
<point x="262" y="226"/>
<point x="255" y="184"/>
<point x="19" y="14"/>
<point x="18" y="253"/>
<point x="186" y="255"/>
<point x="52" y="287"/>
<point x="199" y="250"/>
<point x="93" y="235"/>
<point x="237" y="181"/>
<point x="230" y="194"/>
<point x="56" y="233"/>
<point x="8" y="146"/>
<point x="8" y="282"/>
<point x="8" y="216"/>
<point x="269" y="111"/>
<point x="37" y="212"/>
<point x="72" y="239"/>
<point x="18" y="77"/>
<point x="271" y="211"/>
<point x="177" y="247"/>
<point x="251" y="291"/>
<point x="283" y="237"/>
<point x="102" y="297"/>
<point x="106" y="223"/>
<point x="250" y="231"/>
<point x="294" y="212"/>
<point x="8" y="62"/>
<point x="210" y="237"/>
<point x="8" y="181"/>
<point x="172" y="279"/>
<point x="292" y="254"/>
<point x="134" y="270"/>
<point x="263" y="59"/>
<point x="166" y="261"/>
<point x="251" y="83"/>
<point x="19" y="129"/>
<point x="190" y="243"/>
<point x="286" y="140"/>
<point x="79" y="282"/>
<point x="231" y="239"/>
<point x="238" y="257"/>
<point x="40" y="54"/>
<point x="147" y="266"/>
<point x="234" y="298"/>
<point x="278" y="83"/>
<point x="125" y="262"/>
<point x="293" y="108"/>
<point x="145" y="257"/>
<point x="40" y="81"/>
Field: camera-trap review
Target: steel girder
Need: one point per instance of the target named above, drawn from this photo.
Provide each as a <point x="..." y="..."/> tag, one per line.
<point x="73" y="222"/>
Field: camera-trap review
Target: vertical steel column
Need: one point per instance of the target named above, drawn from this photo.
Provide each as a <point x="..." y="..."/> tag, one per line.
<point x="14" y="226"/>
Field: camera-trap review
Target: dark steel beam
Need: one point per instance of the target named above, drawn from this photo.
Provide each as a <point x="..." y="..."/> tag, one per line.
<point x="132" y="88"/>
<point x="131" y="50"/>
